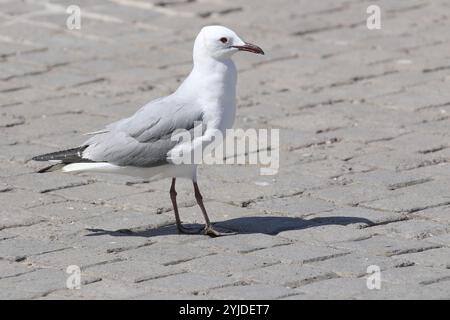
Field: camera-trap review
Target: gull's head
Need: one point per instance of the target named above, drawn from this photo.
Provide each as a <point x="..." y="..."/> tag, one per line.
<point x="221" y="43"/>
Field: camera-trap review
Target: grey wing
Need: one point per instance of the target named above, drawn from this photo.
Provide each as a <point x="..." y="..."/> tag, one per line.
<point x="144" y="139"/>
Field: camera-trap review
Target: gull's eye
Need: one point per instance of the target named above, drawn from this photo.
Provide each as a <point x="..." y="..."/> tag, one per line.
<point x="223" y="40"/>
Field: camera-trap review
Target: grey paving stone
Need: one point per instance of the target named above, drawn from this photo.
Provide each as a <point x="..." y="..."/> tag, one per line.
<point x="331" y="168"/>
<point x="397" y="160"/>
<point x="188" y="283"/>
<point x="18" y="249"/>
<point x="127" y="220"/>
<point x="328" y="231"/>
<point x="133" y="272"/>
<point x="356" y="264"/>
<point x="287" y="275"/>
<point x="443" y="239"/>
<point x="414" y="199"/>
<point x="339" y="288"/>
<point x="166" y="253"/>
<point x="51" y="182"/>
<point x="8" y="169"/>
<point x="351" y="194"/>
<point x="406" y="292"/>
<point x="415" y="275"/>
<point x="439" y="258"/>
<point x="81" y="257"/>
<point x="69" y="211"/>
<point x="98" y="192"/>
<point x="226" y="264"/>
<point x="386" y="246"/>
<point x="391" y="179"/>
<point x="367" y="134"/>
<point x="241" y="243"/>
<point x="415" y="142"/>
<point x="438" y="214"/>
<point x="412" y="229"/>
<point x="358" y="217"/>
<point x="296" y="206"/>
<point x="299" y="253"/>
<point x="158" y="295"/>
<point x="150" y="202"/>
<point x="250" y="292"/>
<point x="21" y="199"/>
<point x="18" y="218"/>
<point x="33" y="285"/>
<point x="104" y="289"/>
<point x="13" y="269"/>
<point x="440" y="170"/>
<point x="315" y="122"/>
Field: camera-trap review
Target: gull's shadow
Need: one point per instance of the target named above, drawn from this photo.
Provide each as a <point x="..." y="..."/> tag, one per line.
<point x="246" y="225"/>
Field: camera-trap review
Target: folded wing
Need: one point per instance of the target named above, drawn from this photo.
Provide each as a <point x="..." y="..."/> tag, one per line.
<point x="145" y="138"/>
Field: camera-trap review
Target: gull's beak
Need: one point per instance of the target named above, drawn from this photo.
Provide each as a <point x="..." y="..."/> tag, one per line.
<point x="250" y="48"/>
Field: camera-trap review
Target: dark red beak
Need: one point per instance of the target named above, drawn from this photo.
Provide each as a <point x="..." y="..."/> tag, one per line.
<point x="250" y="48"/>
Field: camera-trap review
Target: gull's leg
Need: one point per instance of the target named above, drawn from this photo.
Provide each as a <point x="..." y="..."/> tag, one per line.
<point x="209" y="230"/>
<point x="180" y="227"/>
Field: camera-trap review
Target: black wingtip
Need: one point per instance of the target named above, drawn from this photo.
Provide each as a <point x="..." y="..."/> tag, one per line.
<point x="65" y="156"/>
<point x="38" y="158"/>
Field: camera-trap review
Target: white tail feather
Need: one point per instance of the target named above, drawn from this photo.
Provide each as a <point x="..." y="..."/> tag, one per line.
<point x="98" y="167"/>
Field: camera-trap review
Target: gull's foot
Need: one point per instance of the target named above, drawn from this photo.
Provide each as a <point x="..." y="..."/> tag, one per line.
<point x="188" y="230"/>
<point x="210" y="231"/>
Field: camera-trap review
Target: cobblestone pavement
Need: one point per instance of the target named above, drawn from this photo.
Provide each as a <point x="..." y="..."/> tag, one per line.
<point x="364" y="173"/>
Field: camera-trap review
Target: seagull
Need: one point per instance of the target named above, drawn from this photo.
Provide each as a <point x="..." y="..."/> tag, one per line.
<point x="141" y="145"/>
